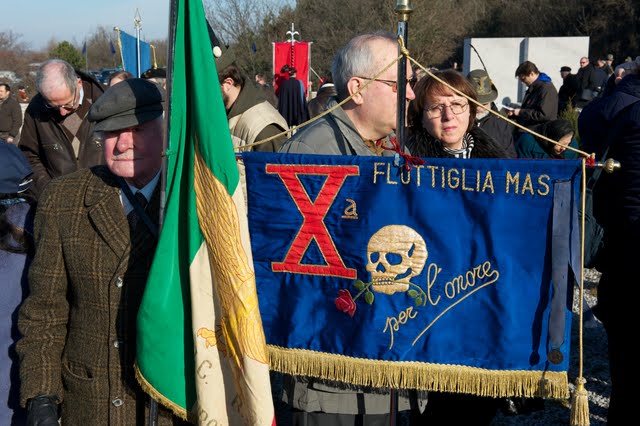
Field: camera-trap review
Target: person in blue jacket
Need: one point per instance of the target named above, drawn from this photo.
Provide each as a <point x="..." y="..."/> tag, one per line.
<point x="16" y="251"/>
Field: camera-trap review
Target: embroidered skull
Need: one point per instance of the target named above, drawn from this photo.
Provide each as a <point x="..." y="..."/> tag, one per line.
<point x="396" y="254"/>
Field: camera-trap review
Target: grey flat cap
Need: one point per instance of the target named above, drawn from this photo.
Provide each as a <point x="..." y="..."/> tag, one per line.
<point x="127" y="104"/>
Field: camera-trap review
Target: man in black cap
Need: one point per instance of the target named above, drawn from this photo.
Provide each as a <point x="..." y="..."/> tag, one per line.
<point x="157" y="75"/>
<point x="500" y="130"/>
<point x="567" y="95"/>
<point x="96" y="233"/>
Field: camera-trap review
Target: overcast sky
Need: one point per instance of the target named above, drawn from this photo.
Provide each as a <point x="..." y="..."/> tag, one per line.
<point x="39" y="21"/>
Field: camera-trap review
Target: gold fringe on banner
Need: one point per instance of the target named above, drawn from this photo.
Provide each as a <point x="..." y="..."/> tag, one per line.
<point x="419" y="375"/>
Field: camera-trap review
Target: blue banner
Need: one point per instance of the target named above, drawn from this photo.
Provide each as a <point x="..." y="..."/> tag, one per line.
<point x="129" y="49"/>
<point x="455" y="275"/>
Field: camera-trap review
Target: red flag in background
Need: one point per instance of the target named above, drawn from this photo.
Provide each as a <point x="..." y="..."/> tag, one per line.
<point x="298" y="58"/>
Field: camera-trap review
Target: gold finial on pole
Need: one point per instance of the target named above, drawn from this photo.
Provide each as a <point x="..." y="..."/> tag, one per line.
<point x="403" y="10"/>
<point x="611" y="165"/>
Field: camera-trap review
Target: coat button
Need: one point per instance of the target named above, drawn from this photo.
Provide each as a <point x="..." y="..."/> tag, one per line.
<point x="117" y="402"/>
<point x="119" y="282"/>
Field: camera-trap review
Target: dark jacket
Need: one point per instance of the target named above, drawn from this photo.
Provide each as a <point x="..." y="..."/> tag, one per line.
<point x="500" y="130"/>
<point x="10" y="118"/>
<point x="540" y="103"/>
<point x="594" y="120"/>
<point x="616" y="204"/>
<point x="567" y="95"/>
<point x="318" y="104"/>
<point x="422" y="144"/>
<point x="587" y="77"/>
<point x="587" y="80"/>
<point x="616" y="199"/>
<point x="78" y="323"/>
<point x="292" y="104"/>
<point x="47" y="143"/>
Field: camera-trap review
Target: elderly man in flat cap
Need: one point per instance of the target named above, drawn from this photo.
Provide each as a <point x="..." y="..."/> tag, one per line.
<point x="95" y="236"/>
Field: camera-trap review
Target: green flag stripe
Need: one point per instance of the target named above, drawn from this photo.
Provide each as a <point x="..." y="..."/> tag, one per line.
<point x="164" y="341"/>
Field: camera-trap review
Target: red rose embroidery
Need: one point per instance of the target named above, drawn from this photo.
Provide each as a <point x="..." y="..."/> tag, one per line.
<point x="345" y="302"/>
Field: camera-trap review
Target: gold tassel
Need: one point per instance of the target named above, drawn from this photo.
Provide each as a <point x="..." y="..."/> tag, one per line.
<point x="580" y="404"/>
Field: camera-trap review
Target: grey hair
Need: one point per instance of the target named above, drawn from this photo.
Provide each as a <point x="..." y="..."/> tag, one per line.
<point x="356" y="58"/>
<point x="53" y="74"/>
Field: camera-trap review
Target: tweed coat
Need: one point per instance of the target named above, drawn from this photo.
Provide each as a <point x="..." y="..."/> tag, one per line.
<point x="86" y="282"/>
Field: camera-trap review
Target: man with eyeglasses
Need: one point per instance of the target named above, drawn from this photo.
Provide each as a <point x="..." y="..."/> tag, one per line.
<point x="362" y="126"/>
<point x="56" y="138"/>
<point x="540" y="101"/>
<point x="588" y="81"/>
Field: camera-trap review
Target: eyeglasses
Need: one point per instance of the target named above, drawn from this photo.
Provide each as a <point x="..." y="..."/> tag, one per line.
<point x="584" y="62"/>
<point x="69" y="106"/>
<point x="392" y="83"/>
<point x="436" y="111"/>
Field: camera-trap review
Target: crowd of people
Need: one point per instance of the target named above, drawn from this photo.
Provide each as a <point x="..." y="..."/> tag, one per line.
<point x="80" y="196"/>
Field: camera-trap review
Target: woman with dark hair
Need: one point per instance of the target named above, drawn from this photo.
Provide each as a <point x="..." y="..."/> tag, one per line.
<point x="561" y="131"/>
<point x="16" y="251"/>
<point x="441" y="122"/>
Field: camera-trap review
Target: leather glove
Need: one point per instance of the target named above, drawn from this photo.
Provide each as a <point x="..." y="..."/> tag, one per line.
<point x="43" y="411"/>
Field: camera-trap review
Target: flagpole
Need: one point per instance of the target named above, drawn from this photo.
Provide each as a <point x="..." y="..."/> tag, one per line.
<point x="173" y="16"/>
<point x="403" y="10"/>
<point x="86" y="57"/>
<point x="137" y="23"/>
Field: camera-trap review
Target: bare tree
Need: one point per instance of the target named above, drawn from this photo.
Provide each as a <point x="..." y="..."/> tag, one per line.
<point x="12" y="52"/>
<point x="99" y="49"/>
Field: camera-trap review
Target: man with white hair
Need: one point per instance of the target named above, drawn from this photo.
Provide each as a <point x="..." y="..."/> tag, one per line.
<point x="362" y="126"/>
<point x="56" y="137"/>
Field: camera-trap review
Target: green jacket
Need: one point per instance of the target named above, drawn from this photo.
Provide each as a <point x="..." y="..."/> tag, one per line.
<point x="528" y="146"/>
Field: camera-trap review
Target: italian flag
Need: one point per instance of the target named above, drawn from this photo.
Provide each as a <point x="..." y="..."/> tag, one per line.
<point x="201" y="346"/>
